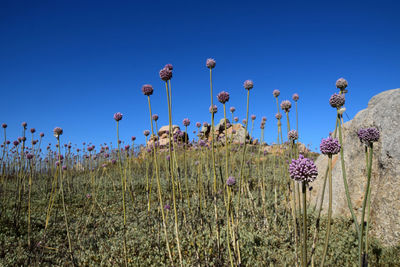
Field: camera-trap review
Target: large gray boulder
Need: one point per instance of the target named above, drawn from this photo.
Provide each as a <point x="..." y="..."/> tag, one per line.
<point x="383" y="112"/>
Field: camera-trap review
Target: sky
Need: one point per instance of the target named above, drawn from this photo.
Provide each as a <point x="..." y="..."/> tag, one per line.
<point x="73" y="64"/>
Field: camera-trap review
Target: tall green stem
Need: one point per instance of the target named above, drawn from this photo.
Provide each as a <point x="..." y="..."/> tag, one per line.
<point x="328" y="230"/>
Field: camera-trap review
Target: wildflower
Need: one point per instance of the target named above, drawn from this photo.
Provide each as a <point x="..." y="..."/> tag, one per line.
<point x="264" y="119"/>
<point x="213" y="109"/>
<point x="155" y="117"/>
<point x="231" y="181"/>
<point x="33" y="130"/>
<point x="329" y="146"/>
<point x="57" y="131"/>
<point x="24" y="124"/>
<point x="167" y="207"/>
<point x="146" y="132"/>
<point x="341" y="83"/>
<point x="29" y="156"/>
<point x="248" y="84"/>
<point x="118" y="116"/>
<point x="236" y="119"/>
<point x="210" y="63"/>
<point x="147" y="89"/>
<point x="278" y="116"/>
<point x="223" y="97"/>
<point x="186" y="122"/>
<point x="253" y="117"/>
<point x="295" y="97"/>
<point x="165" y="74"/>
<point x="198" y="124"/>
<point x="41" y="134"/>
<point x="4" y="125"/>
<point x="232" y="109"/>
<point x="368" y="135"/>
<point x="169" y="66"/>
<point x="276" y="93"/>
<point x="337" y="100"/>
<point x="293" y="135"/>
<point x="133" y="138"/>
<point x="286" y="105"/>
<point x="303" y="169"/>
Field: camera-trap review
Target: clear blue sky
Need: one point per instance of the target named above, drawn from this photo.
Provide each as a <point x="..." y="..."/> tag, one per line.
<point x="74" y="64"/>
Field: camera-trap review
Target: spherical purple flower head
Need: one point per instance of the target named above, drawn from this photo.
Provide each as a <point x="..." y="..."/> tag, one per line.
<point x="262" y="126"/>
<point x="24" y="124"/>
<point x="114" y="161"/>
<point x="278" y="116"/>
<point x="293" y="135"/>
<point x="186" y="122"/>
<point x="118" y="116"/>
<point x="232" y="109"/>
<point x="276" y="93"/>
<point x="146" y="132"/>
<point x="341" y="83"/>
<point x="155" y="117"/>
<point x="223" y="97"/>
<point x="253" y="117"/>
<point x="210" y="63"/>
<point x="15" y="143"/>
<point x="167" y="157"/>
<point x="58" y="131"/>
<point x="133" y="138"/>
<point x="213" y="109"/>
<point x="248" y="84"/>
<point x="168" y="66"/>
<point x="264" y="119"/>
<point x="198" y="124"/>
<point x="34" y="142"/>
<point x="329" y="146"/>
<point x="165" y="74"/>
<point x="4" y="125"/>
<point x="286" y="105"/>
<point x="29" y="156"/>
<point x="64" y="168"/>
<point x="368" y="135"/>
<point x="236" y="119"/>
<point x="205" y="124"/>
<point x="295" y="97"/>
<point x="337" y="100"/>
<point x="303" y="170"/>
<point x="33" y="130"/>
<point x="167" y="207"/>
<point x="231" y="181"/>
<point x="8" y="142"/>
<point x="41" y="134"/>
<point x="127" y="147"/>
<point x="147" y="89"/>
<point x="244" y="121"/>
<point x="23" y="138"/>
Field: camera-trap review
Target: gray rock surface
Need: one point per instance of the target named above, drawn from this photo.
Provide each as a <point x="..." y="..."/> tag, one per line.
<point x="383" y="112"/>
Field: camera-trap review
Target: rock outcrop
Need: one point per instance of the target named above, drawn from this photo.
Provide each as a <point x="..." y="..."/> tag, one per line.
<point x="383" y="112"/>
<point x="163" y="136"/>
<point x="235" y="132"/>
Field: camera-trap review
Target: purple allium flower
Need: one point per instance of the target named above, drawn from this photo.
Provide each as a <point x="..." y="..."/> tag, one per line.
<point x="58" y="131"/>
<point x="29" y="156"/>
<point x="33" y="130"/>
<point x="147" y="89"/>
<point x="24" y="124"/>
<point x="168" y="66"/>
<point x="88" y="195"/>
<point x="57" y="163"/>
<point x="278" y="116"/>
<point x="34" y="142"/>
<point x="213" y="109"/>
<point x="165" y="74"/>
<point x="4" y="125"/>
<point x="341" y="83"/>
<point x="41" y="134"/>
<point x="90" y="148"/>
<point x="64" y="168"/>
<point x="276" y="93"/>
<point x="146" y="132"/>
<point x="198" y="124"/>
<point x="186" y="122"/>
<point x="303" y="169"/>
<point x="15" y="143"/>
<point x="262" y="126"/>
<point x="113" y="161"/>
<point x="167" y="207"/>
<point x="248" y="84"/>
<point x="231" y="181"/>
<point x="286" y="105"/>
<point x="127" y="147"/>
<point x="133" y="138"/>
<point x="368" y="135"/>
<point x="337" y="100"/>
<point x="244" y="121"/>
<point x="23" y="138"/>
<point x="210" y="63"/>
<point x="8" y="142"/>
<point x="329" y="146"/>
<point x="167" y="157"/>
<point x="295" y="97"/>
<point x="155" y="117"/>
<point x="118" y="116"/>
<point x="253" y="117"/>
<point x="264" y="119"/>
<point x="232" y="109"/>
<point x="223" y="97"/>
<point x="293" y="135"/>
<point x="236" y="119"/>
<point x="205" y="124"/>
